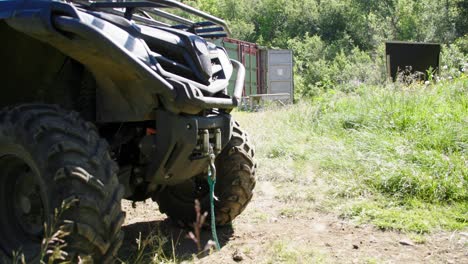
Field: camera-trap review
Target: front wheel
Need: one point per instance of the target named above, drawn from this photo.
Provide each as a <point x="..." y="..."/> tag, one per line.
<point x="235" y="181"/>
<point x="59" y="193"/>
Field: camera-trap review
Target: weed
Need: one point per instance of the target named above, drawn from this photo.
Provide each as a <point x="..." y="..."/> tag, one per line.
<point x="371" y="261"/>
<point x="17" y="258"/>
<point x="418" y="238"/>
<point x="53" y="245"/>
<point x="258" y="216"/>
<point x="197" y="226"/>
<point x="288" y="252"/>
<point x="195" y="236"/>
<point x="153" y="249"/>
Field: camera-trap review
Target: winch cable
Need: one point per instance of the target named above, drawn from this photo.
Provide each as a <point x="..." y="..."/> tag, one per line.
<point x="211" y="183"/>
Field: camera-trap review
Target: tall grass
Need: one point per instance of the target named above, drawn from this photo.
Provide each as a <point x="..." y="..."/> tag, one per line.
<point x="382" y="154"/>
<point x="154" y="247"/>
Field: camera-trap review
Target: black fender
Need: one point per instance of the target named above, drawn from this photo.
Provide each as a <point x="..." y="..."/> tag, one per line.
<point x="120" y="62"/>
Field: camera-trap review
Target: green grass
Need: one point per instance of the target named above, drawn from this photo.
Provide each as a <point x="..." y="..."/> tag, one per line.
<point x="280" y="251"/>
<point x="153" y="248"/>
<point x="395" y="156"/>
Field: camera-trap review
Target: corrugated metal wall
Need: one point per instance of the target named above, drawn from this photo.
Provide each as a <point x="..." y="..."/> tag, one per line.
<point x="279" y="74"/>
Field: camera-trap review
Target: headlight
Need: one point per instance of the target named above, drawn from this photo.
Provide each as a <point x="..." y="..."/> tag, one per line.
<point x="203" y="55"/>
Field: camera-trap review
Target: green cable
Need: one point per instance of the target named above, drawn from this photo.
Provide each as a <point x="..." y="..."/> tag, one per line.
<point x="211" y="183"/>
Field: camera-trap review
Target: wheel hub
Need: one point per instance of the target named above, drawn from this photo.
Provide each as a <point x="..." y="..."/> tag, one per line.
<point x="22" y="210"/>
<point x="25" y="204"/>
<point x="28" y="204"/>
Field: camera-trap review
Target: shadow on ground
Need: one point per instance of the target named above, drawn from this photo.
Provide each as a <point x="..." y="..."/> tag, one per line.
<point x="164" y="234"/>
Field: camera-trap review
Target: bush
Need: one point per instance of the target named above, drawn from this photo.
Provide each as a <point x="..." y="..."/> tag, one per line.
<point x="453" y="62"/>
<point x="319" y="67"/>
<point x="462" y="44"/>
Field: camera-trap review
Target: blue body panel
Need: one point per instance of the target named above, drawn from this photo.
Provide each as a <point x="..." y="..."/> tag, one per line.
<point x="8" y="7"/>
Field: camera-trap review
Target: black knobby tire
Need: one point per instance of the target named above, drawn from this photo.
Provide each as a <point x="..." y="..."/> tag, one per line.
<point x="64" y="162"/>
<point x="235" y="181"/>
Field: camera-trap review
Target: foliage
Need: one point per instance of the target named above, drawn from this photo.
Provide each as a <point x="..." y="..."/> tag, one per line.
<point x="319" y="67"/>
<point x="338" y="44"/>
<point x="364" y="22"/>
<point x="454" y="62"/>
<point x="288" y="252"/>
<point x="462" y="44"/>
<point x="154" y="248"/>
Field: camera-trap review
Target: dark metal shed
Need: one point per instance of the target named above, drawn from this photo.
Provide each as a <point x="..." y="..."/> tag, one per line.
<point x="413" y="57"/>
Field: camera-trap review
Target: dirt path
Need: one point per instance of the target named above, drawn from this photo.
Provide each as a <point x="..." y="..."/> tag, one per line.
<point x="262" y="234"/>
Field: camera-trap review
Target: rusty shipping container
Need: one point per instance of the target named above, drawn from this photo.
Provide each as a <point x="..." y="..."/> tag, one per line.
<point x="268" y="71"/>
<point x="249" y="55"/>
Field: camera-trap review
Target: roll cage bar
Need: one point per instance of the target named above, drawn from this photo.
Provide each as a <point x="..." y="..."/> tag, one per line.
<point x="144" y="12"/>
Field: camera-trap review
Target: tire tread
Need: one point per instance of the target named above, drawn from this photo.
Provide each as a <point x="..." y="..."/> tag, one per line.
<point x="74" y="163"/>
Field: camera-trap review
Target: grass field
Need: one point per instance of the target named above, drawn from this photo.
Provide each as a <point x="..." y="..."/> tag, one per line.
<point x="393" y="156"/>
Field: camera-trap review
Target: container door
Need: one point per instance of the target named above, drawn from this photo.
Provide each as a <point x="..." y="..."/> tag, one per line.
<point x="280" y="72"/>
<point x="249" y="60"/>
<point x="233" y="53"/>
